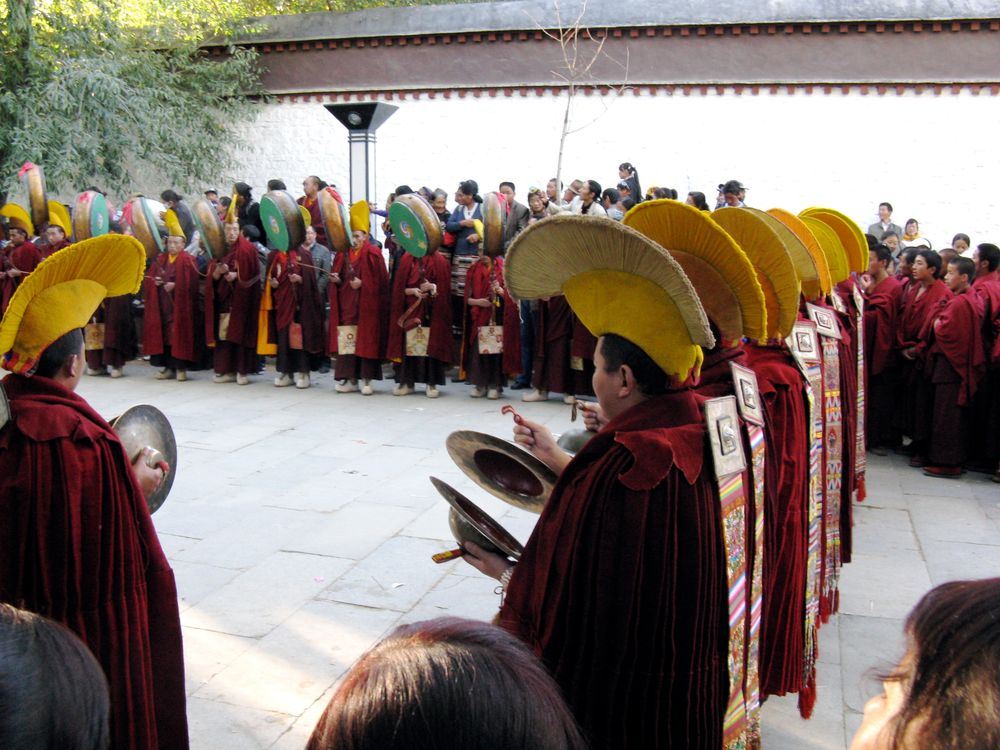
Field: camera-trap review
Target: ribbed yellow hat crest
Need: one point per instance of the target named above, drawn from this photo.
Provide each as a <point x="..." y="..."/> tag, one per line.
<point x="808" y="239"/>
<point x="361" y="217"/>
<point x="850" y="235"/>
<point x="836" y="258"/>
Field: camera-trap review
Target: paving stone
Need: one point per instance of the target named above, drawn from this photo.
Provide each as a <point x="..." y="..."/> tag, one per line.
<point x="206" y="653"/>
<point x="458" y="596"/>
<point x="882" y="531"/>
<point x="353" y="532"/>
<point x="195" y="581"/>
<point x="952" y="518"/>
<point x="951" y="561"/>
<point x="213" y="725"/>
<point x="880" y="586"/>
<point x="870" y="646"/>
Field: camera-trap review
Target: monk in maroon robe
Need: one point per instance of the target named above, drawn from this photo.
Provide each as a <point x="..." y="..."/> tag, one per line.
<point x="309" y="201"/>
<point x="57" y="240"/>
<point x="421" y="298"/>
<point x="984" y="446"/>
<point x="554" y="325"/>
<point x="232" y="307"/>
<point x="120" y="344"/>
<point x="171" y="330"/>
<point x="956" y="365"/>
<point x="359" y="296"/>
<point x="923" y="300"/>
<point x="297" y="316"/>
<point x="882" y="301"/>
<point x="77" y="545"/>
<point x="486" y="304"/>
<point x="20" y="258"/>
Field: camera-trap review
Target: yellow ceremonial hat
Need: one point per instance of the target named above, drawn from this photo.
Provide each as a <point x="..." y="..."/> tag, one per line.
<point x="836" y="258"/>
<point x="59" y="216"/>
<point x="805" y="266"/>
<point x="807" y="238"/>
<point x="617" y="281"/>
<point x="63" y="292"/>
<point x="852" y="239"/>
<point x="771" y="260"/>
<point x="18" y="217"/>
<point x="173" y="223"/>
<point x="307" y="218"/>
<point x="361" y="218"/>
<point x="719" y="270"/>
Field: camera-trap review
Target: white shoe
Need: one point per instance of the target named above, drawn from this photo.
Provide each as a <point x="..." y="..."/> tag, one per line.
<point x="282" y="380"/>
<point x="432" y="392"/>
<point x="493" y="394"/>
<point x="229" y="377"/>
<point x="476" y="392"/>
<point x="535" y="395"/>
<point x="182" y="376"/>
<point x="402" y="390"/>
<point x="96" y="371"/>
<point x="302" y="380"/>
<point x="242" y="379"/>
<point x="166" y="374"/>
<point x="569" y="398"/>
<point x="348" y="386"/>
<point x="117" y="372"/>
<point x="366" y="389"/>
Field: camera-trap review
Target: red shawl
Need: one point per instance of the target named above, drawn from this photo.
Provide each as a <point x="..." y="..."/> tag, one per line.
<point x="169" y="317"/>
<point x="477" y="286"/>
<point x="918" y="314"/>
<point x="957" y="335"/>
<point x="299" y="302"/>
<point x="433" y="311"/>
<point x="367" y="307"/>
<point x="988" y="288"/>
<point x="240" y="298"/>
<point x="77" y="545"/>
<point x="881" y="313"/>
<point x="622" y="587"/>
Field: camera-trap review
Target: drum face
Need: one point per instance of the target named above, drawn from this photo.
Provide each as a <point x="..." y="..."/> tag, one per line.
<point x="209" y="226"/>
<point x="336" y="220"/>
<point x="90" y="217"/>
<point x="282" y="220"/>
<point x="415" y="226"/>
<point x="492" y="225"/>
<point x="146" y="225"/>
<point x="38" y="202"/>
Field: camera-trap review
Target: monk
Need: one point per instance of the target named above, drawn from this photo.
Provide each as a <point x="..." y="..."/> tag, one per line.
<point x="883" y="293"/>
<point x="421" y="294"/>
<point x="923" y="300"/>
<point x="956" y="365"/>
<point x="297" y="316"/>
<point x="486" y="305"/>
<point x="20" y="258"/>
<point x="76" y="541"/>
<point x="985" y="444"/>
<point x="554" y="326"/>
<point x="171" y="330"/>
<point x="359" y="311"/>
<point x="310" y="201"/>
<point x="57" y="239"/>
<point x="232" y="304"/>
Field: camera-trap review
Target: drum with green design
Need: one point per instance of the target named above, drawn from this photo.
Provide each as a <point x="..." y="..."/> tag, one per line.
<point x="209" y="226"/>
<point x="282" y="220"/>
<point x="415" y="226"/>
<point x="90" y="215"/>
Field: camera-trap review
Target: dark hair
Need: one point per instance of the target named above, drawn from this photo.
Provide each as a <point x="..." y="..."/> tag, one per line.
<point x="53" y="694"/>
<point x="114" y="227"/>
<point x="510" y="185"/>
<point x="402" y="190"/>
<point x="699" y="200"/>
<point x="225" y="201"/>
<point x="315" y="178"/>
<point x="170" y="195"/>
<point x="628" y="203"/>
<point x="276" y="184"/>
<point x="990" y="253"/>
<point x="964" y="267"/>
<point x="447" y="682"/>
<point x="470" y="187"/>
<point x="251" y="232"/>
<point x="595" y="187"/>
<point x="665" y="192"/>
<point x="887" y="234"/>
<point x="611" y="194"/>
<point x="618" y="350"/>
<point x="910" y="221"/>
<point x="882" y="253"/>
<point x="558" y="183"/>
<point x="932" y="257"/>
<point x="961" y="236"/>
<point x="243" y="189"/>
<point x="909" y="255"/>
<point x="211" y="191"/>
<point x="17" y="228"/>
<point x="952" y="679"/>
<point x="58" y="353"/>
<point x="886" y="204"/>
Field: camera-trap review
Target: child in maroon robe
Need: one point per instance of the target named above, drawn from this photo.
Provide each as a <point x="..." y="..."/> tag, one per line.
<point x="20" y="258"/>
<point x="232" y="306"/>
<point x="297" y="317"/>
<point x="883" y="293"/>
<point x="359" y="297"/>
<point x="985" y="444"/>
<point x="487" y="304"/>
<point x="170" y="323"/>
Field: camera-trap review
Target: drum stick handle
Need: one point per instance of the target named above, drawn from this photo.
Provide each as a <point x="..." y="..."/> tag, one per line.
<point x="451" y="554"/>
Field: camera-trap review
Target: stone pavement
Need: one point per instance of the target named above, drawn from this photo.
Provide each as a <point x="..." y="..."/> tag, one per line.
<point x="301" y="524"/>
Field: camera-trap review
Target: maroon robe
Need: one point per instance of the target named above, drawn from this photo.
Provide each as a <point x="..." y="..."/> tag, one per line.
<point x="432" y="311"/>
<point x="170" y="322"/>
<point x="77" y="545"/>
<point x="241" y="299"/>
<point x="621" y="590"/>
<point x="295" y="303"/>
<point x="553" y="332"/>
<point x="985" y="438"/>
<point x="24" y="257"/>
<point x="367" y="307"/>
<point x="52" y="249"/>
<point x="490" y="369"/>
<point x="315" y="217"/>
<point x="881" y="360"/>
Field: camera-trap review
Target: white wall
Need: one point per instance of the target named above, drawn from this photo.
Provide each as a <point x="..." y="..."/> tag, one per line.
<point x="934" y="157"/>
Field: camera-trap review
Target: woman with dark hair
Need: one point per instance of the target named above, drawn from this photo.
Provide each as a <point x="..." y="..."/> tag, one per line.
<point x="53" y="694"/>
<point x="465" y="249"/>
<point x="629" y="174"/>
<point x="961" y="243"/>
<point x="447" y="683"/>
<point x="912" y="237"/>
<point x="697" y="200"/>
<point x="945" y="691"/>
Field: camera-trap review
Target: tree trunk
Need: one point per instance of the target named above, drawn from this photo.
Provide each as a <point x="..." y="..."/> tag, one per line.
<point x="570" y="91"/>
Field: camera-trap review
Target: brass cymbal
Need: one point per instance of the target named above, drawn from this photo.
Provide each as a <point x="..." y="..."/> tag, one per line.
<point x="470" y="523"/>
<point x="572" y="441"/>
<point x="145" y="426"/>
<point x="502" y="469"/>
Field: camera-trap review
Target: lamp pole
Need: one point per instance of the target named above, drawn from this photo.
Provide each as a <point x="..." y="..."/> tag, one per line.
<point x="362" y="119"/>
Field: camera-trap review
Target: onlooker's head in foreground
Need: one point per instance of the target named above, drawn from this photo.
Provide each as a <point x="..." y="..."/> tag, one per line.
<point x="447" y="683"/>
<point x="53" y="694"/>
<point x="945" y="693"/>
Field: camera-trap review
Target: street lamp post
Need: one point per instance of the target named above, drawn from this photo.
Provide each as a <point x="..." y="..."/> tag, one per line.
<point x="362" y="119"/>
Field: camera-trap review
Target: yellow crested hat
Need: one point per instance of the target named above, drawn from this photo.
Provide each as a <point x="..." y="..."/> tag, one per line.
<point x="805" y="266"/>
<point x="307" y="218"/>
<point x="836" y="258"/>
<point x="173" y="223"/>
<point x="361" y="217"/>
<point x="18" y="217"/>
<point x="719" y="270"/>
<point x="852" y="239"/>
<point x="807" y="238"/>
<point x="63" y="292"/>
<point x="59" y="216"/>
<point x="617" y="281"/>
<point x="773" y="263"/>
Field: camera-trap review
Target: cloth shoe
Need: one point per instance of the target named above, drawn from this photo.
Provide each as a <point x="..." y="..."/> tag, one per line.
<point x="432" y="392"/>
<point x="182" y="376"/>
<point x="535" y="395"/>
<point x="366" y="389"/>
<point x="166" y="374"/>
<point x="229" y="377"/>
<point x="493" y="394"/>
<point x="302" y="380"/>
<point x="402" y="390"/>
<point x="476" y="392"/>
<point x="96" y="371"/>
<point x="117" y="372"/>
<point x="945" y="472"/>
<point x="348" y="386"/>
<point x="282" y="380"/>
<point x="242" y="379"/>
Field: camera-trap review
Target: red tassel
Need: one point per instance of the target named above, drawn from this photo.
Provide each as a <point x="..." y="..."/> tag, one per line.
<point x="862" y="492"/>
<point x="807" y="699"/>
<point x="824" y="609"/>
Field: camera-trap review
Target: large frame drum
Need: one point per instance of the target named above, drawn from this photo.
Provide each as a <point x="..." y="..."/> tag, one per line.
<point x="146" y="225"/>
<point x="209" y="226"/>
<point x="336" y="219"/>
<point x="33" y="180"/>
<point x="493" y="216"/>
<point x="415" y="226"/>
<point x="282" y="220"/>
<point x="90" y="216"/>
